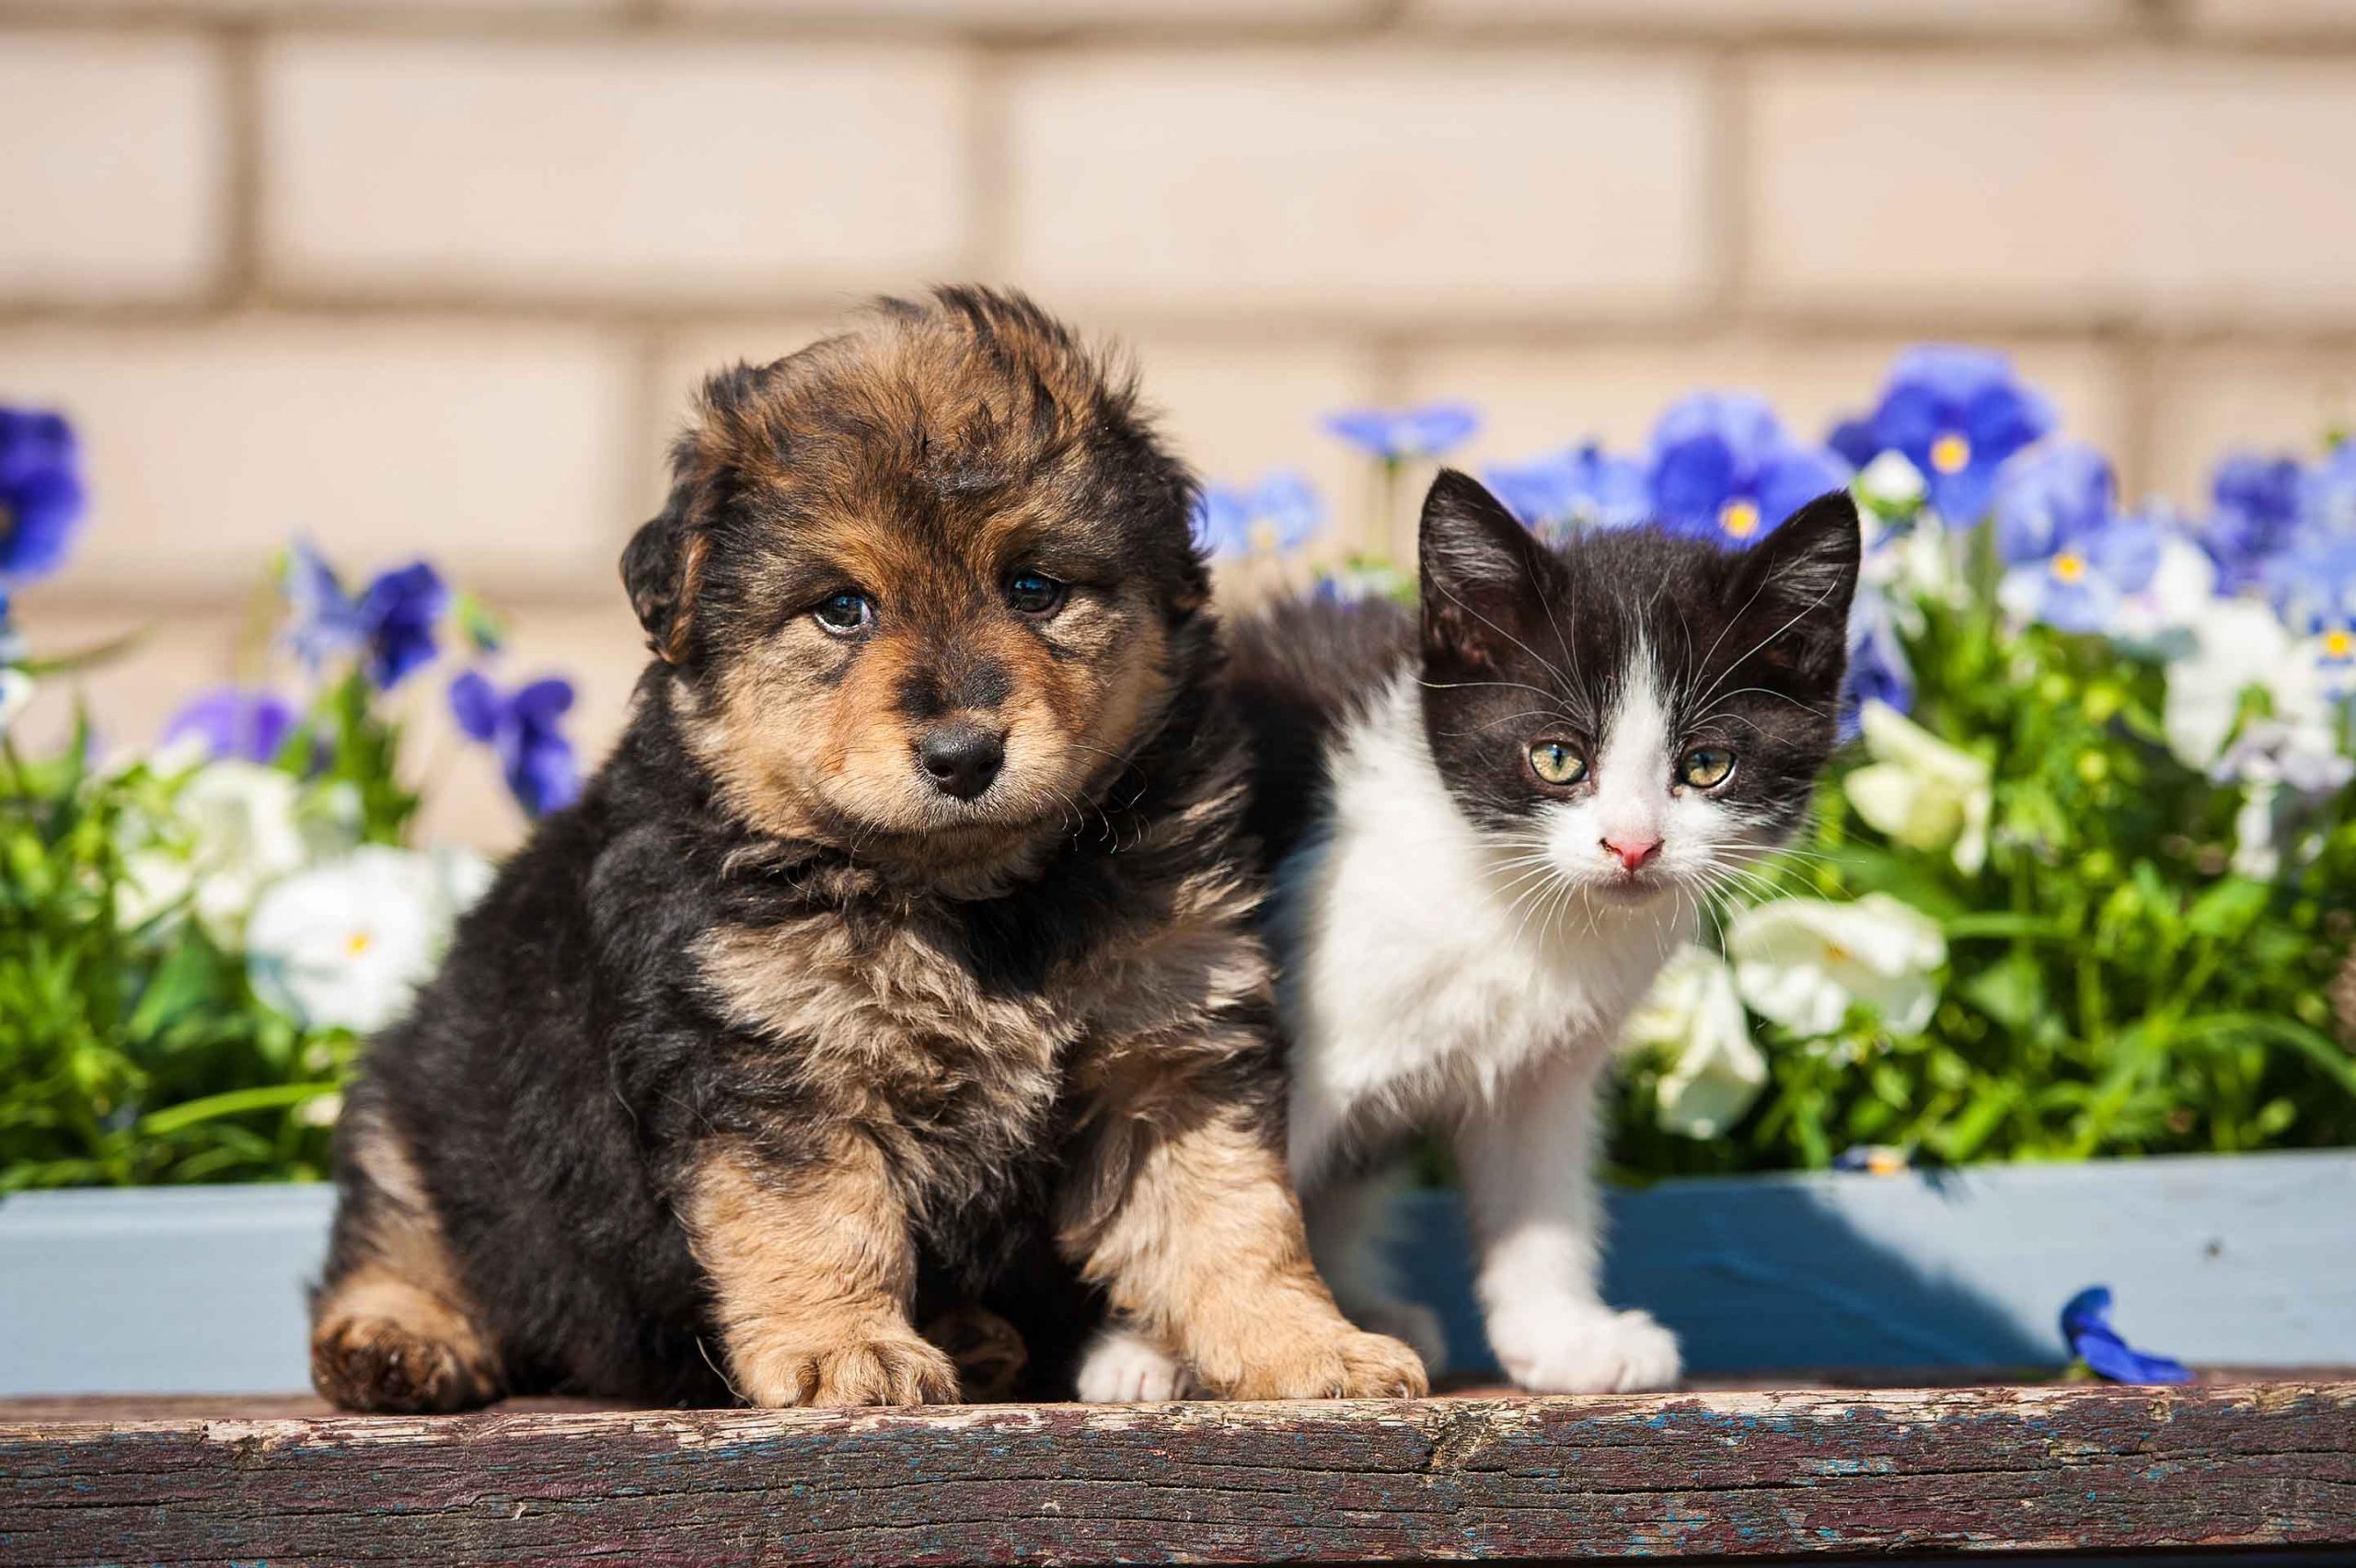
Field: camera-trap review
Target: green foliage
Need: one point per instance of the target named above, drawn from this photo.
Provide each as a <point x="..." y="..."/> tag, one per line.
<point x="133" y="1047"/>
<point x="2113" y="987"/>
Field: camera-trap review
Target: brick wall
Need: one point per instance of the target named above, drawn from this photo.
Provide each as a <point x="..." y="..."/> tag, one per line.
<point x="436" y="275"/>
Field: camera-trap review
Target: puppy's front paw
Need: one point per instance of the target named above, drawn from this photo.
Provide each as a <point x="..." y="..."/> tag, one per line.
<point x="886" y="1370"/>
<point x="378" y="1364"/>
<point x="1125" y="1368"/>
<point x="1579" y="1348"/>
<point x="1344" y="1365"/>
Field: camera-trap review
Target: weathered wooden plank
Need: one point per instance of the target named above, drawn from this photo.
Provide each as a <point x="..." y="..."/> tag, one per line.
<point x="1674" y="1476"/>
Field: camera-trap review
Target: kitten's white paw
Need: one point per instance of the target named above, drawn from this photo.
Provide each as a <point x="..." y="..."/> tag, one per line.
<point x="1409" y="1320"/>
<point x="1583" y="1349"/>
<point x="1124" y="1368"/>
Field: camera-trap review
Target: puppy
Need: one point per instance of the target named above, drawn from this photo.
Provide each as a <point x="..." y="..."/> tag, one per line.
<point x="897" y="967"/>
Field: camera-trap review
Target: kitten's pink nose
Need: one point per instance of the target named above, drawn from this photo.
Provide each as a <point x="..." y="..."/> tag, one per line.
<point x="1633" y="850"/>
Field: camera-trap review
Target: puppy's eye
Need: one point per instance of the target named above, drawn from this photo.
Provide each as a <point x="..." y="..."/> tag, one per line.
<point x="845" y="613"/>
<point x="1557" y="763"/>
<point x="1034" y="594"/>
<point x="1705" y="767"/>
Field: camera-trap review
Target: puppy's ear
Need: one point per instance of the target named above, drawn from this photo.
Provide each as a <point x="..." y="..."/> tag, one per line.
<point x="1482" y="574"/>
<point x="1799" y="582"/>
<point x="663" y="568"/>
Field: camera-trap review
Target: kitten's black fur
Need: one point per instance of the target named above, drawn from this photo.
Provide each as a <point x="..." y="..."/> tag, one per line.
<point x="1753" y="643"/>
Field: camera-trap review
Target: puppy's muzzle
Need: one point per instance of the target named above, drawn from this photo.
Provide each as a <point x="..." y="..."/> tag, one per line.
<point x="962" y="760"/>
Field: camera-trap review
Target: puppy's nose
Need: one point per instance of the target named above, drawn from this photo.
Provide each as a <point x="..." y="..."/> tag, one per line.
<point x="962" y="759"/>
<point x="1634" y="849"/>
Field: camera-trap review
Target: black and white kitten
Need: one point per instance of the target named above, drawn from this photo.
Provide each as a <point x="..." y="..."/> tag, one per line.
<point x="1486" y="840"/>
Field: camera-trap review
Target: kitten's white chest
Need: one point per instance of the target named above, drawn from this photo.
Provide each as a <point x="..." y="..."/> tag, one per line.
<point x="1423" y="963"/>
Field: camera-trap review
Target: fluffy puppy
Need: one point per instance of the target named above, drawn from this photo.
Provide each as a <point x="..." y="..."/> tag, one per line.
<point x="895" y="970"/>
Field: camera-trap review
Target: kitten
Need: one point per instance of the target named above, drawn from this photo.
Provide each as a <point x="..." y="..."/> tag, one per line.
<point x="1486" y="840"/>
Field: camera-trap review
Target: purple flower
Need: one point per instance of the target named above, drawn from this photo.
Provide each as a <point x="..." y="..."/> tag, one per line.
<point x="2327" y="493"/>
<point x="1287" y="503"/>
<point x="1958" y="414"/>
<point x="2085" y="1327"/>
<point x="1579" y="486"/>
<point x="42" y="499"/>
<point x="2072" y="558"/>
<point x="2254" y="511"/>
<point x="521" y="726"/>
<point x="2314" y="588"/>
<point x="1227" y="519"/>
<point x="1723" y="468"/>
<point x="1222" y="521"/>
<point x="391" y="624"/>
<point x="1425" y="431"/>
<point x="235" y="721"/>
<point x="1879" y="668"/>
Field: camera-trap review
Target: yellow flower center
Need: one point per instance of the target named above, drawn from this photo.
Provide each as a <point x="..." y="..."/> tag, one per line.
<point x="2339" y="642"/>
<point x="357" y="944"/>
<point x="1835" y="953"/>
<point x="1740" y="518"/>
<point x="2069" y="565"/>
<point x="1951" y="454"/>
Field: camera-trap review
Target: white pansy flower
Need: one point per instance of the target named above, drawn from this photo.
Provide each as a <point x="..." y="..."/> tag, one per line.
<point x="1693" y="1021"/>
<point x="2236" y="644"/>
<point x="1920" y="790"/>
<point x="1891" y="483"/>
<point x="1803" y="962"/>
<point x="2160" y="616"/>
<point x="237" y="822"/>
<point x="2285" y="770"/>
<point x="345" y="944"/>
<point x="16" y="695"/>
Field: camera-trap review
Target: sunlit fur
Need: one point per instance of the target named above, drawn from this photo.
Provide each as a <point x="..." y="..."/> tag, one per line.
<point x="1459" y="942"/>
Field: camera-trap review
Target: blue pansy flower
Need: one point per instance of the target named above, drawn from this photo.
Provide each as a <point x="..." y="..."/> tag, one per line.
<point x="1394" y="435"/>
<point x="1222" y="521"/>
<point x="2328" y="494"/>
<point x="2314" y="587"/>
<point x="1578" y="487"/>
<point x="2085" y="1327"/>
<point x="391" y="624"/>
<point x="1228" y="519"/>
<point x="42" y="499"/>
<point x="1722" y="467"/>
<point x="521" y="726"/>
<point x="247" y="724"/>
<point x="1288" y="504"/>
<point x="1879" y="668"/>
<point x="2072" y="558"/>
<point x="1854" y="442"/>
<point x="2253" y="516"/>
<point x="1958" y="414"/>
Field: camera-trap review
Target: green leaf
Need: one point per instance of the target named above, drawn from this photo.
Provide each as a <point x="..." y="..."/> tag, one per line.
<point x="269" y="1096"/>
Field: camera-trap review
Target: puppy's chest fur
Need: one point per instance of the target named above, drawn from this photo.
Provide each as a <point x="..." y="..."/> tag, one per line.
<point x="885" y="1020"/>
<point x="959" y="1035"/>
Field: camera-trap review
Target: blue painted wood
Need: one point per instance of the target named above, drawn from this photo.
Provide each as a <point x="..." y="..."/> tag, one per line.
<point x="2247" y="1260"/>
<point x="2237" y="1261"/>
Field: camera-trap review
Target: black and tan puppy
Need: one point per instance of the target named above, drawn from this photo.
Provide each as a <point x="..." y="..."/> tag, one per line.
<point x="896" y="965"/>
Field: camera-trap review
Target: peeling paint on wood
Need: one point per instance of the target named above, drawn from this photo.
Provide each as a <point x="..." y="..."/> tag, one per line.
<point x="1675" y="1476"/>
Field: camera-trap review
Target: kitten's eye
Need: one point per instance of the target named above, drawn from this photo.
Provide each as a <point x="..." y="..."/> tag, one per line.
<point x="1705" y="767"/>
<point x="845" y="613"/>
<point x="1557" y="763"/>
<point x="1034" y="594"/>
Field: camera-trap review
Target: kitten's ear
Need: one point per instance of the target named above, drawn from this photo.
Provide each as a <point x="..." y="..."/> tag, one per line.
<point x="1480" y="569"/>
<point x="1799" y="581"/>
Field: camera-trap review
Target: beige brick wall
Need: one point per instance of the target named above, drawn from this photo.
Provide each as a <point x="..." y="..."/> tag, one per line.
<point x="439" y="276"/>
